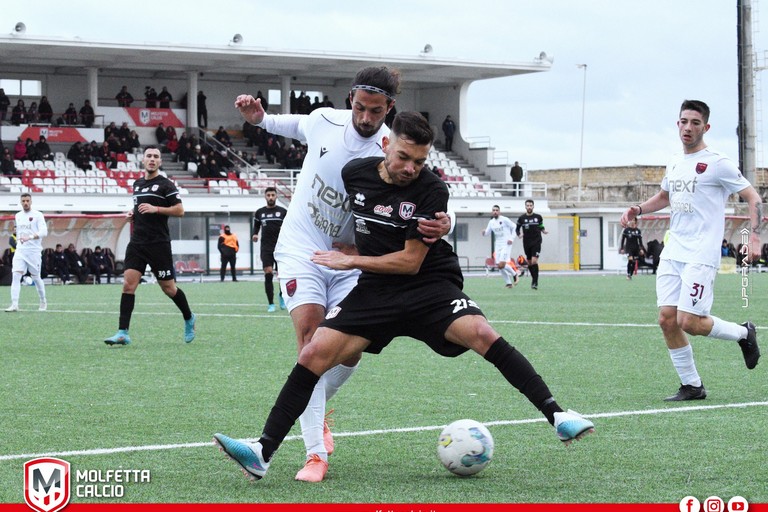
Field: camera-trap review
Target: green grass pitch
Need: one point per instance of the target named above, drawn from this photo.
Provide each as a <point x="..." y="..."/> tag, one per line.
<point x="156" y="403"/>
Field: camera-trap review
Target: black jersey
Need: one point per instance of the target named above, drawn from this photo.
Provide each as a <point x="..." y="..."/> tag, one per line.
<point x="531" y="226"/>
<point x="271" y="219"/>
<point x="152" y="228"/>
<point x="387" y="215"/>
<point x="631" y="240"/>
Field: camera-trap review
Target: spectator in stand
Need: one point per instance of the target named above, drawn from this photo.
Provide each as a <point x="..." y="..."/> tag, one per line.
<point x="223" y="137"/>
<point x="43" y="149"/>
<point x="516" y="173"/>
<point x="104" y="154"/>
<point x="19" y="113"/>
<point x="173" y="142"/>
<point x="150" y="95"/>
<point x="303" y="104"/>
<point x="124" y="98"/>
<point x="5" y="102"/>
<point x="202" y="110"/>
<point x="272" y="150"/>
<point x="75" y="264"/>
<point x="70" y="115"/>
<point x="87" y="115"/>
<point x="326" y="102"/>
<point x="45" y="110"/>
<point x="61" y="265"/>
<point x="202" y="168"/>
<point x="83" y="158"/>
<point x="134" y="144"/>
<point x="316" y="104"/>
<point x="114" y="144"/>
<point x="449" y="129"/>
<point x="185" y="152"/>
<point x="7" y="165"/>
<point x="74" y="150"/>
<point x="124" y="131"/>
<point x="100" y="264"/>
<point x="165" y="98"/>
<point x="33" y="115"/>
<point x="109" y="130"/>
<point x="19" y="150"/>
<point x="161" y="135"/>
<point x="31" y="151"/>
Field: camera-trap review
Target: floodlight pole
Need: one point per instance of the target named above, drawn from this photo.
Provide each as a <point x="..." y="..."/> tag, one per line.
<point x="583" y="108"/>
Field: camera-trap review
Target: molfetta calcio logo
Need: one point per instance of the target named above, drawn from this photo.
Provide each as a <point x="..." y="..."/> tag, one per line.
<point x="46" y="484"/>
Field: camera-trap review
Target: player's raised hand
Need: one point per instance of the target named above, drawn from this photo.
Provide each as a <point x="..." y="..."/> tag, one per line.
<point x="250" y="108"/>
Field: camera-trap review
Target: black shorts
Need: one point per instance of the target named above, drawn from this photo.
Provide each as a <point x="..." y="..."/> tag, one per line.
<point x="268" y="258"/>
<point x="633" y="253"/>
<point x="421" y="310"/>
<point x="532" y="251"/>
<point x="158" y="256"/>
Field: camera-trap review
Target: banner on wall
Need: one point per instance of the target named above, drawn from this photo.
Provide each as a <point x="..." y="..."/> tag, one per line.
<point x="143" y="117"/>
<point x="69" y="134"/>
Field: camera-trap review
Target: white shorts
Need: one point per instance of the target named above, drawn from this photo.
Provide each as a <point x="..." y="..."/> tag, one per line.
<point x="24" y="261"/>
<point x="689" y="287"/>
<point x="501" y="253"/>
<point x="303" y="282"/>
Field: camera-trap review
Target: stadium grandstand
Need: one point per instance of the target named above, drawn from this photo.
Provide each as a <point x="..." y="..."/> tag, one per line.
<point x="78" y="177"/>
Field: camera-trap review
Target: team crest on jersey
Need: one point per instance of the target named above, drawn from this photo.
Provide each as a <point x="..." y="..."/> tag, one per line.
<point x="360" y="199"/>
<point x="360" y="227"/>
<point x="407" y="210"/>
<point x="155" y="187"/>
<point x="31" y="219"/>
<point x="384" y="211"/>
<point x="333" y="313"/>
<point x="701" y="167"/>
<point x="290" y="287"/>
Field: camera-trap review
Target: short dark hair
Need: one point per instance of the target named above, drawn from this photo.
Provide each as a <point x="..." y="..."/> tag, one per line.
<point x="151" y="146"/>
<point x="529" y="201"/>
<point x="697" y="106"/>
<point x="413" y="126"/>
<point x="379" y="77"/>
<point x="26" y="194"/>
<point x="270" y="189"/>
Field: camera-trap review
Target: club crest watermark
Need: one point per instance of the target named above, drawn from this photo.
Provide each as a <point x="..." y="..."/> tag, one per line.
<point x="46" y="484"/>
<point x="49" y="483"/>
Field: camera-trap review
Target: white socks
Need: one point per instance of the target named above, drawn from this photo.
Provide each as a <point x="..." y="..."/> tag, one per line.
<point x="15" y="288"/>
<point x="723" y="330"/>
<point x="313" y="417"/>
<point x="682" y="360"/>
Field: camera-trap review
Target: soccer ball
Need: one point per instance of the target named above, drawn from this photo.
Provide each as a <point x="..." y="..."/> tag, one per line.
<point x="465" y="447"/>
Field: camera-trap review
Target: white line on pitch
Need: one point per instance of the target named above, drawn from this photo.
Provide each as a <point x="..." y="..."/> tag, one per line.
<point x="126" y="449"/>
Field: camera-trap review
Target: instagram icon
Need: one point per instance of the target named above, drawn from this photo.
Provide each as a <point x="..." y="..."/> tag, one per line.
<point x="713" y="504"/>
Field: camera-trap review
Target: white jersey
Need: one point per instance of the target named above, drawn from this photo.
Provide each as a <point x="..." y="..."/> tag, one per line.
<point x="699" y="185"/>
<point x="503" y="230"/>
<point x="320" y="212"/>
<point x="28" y="224"/>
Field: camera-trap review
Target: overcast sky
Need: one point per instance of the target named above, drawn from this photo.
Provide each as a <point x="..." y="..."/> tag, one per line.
<point x="643" y="59"/>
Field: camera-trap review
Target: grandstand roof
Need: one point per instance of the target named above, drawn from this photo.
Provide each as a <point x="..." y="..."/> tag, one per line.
<point x="72" y="56"/>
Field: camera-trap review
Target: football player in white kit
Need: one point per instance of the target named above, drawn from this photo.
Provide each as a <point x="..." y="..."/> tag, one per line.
<point x="319" y="218"/>
<point x="504" y="236"/>
<point x="30" y="230"/>
<point x="696" y="186"/>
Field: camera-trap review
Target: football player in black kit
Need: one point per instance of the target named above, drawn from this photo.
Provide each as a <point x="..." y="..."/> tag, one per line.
<point x="389" y="195"/>
<point x="532" y="226"/>
<point x="155" y="198"/>
<point x="632" y="246"/>
<point x="270" y="218"/>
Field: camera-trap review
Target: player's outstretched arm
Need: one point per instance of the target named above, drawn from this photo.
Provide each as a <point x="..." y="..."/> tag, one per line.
<point x="405" y="262"/>
<point x="250" y="108"/>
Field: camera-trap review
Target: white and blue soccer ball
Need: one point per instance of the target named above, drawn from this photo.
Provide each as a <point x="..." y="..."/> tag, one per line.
<point x="465" y="447"/>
